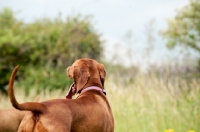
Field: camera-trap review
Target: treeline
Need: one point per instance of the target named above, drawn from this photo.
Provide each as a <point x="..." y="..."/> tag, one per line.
<point x="44" y="48"/>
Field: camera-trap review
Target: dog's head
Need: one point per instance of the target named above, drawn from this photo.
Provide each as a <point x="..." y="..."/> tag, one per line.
<point x="85" y="72"/>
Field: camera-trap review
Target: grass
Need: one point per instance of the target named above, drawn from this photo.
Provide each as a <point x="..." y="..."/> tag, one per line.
<point x="147" y="105"/>
<point x="152" y="105"/>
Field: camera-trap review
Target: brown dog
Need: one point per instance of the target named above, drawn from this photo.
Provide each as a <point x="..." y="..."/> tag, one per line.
<point x="10" y="119"/>
<point x="89" y="112"/>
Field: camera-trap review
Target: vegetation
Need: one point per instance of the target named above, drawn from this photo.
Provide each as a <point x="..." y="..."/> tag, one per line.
<point x="184" y="29"/>
<point x="150" y="104"/>
<point x="44" y="44"/>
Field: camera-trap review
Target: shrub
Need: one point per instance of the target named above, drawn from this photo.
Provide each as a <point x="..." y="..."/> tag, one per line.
<point x="44" y="43"/>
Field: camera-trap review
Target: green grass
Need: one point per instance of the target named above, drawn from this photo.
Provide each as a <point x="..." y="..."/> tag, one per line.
<point x="152" y="105"/>
<point x="148" y="105"/>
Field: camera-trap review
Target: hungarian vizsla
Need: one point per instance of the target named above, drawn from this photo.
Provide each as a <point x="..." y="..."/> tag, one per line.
<point x="10" y="119"/>
<point x="89" y="112"/>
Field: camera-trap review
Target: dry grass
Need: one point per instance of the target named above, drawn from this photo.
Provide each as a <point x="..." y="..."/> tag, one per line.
<point x="154" y="105"/>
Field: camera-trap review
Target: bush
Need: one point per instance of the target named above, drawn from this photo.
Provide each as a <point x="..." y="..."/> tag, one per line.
<point x="44" y="44"/>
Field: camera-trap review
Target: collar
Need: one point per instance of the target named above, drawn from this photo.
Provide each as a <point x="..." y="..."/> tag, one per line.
<point x="93" y="88"/>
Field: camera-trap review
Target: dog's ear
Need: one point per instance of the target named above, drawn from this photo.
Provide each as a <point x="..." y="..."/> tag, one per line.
<point x="71" y="92"/>
<point x="81" y="76"/>
<point x="70" y="72"/>
<point x="102" y="73"/>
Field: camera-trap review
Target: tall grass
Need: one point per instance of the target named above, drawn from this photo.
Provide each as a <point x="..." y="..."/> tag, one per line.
<point x="153" y="105"/>
<point x="149" y="104"/>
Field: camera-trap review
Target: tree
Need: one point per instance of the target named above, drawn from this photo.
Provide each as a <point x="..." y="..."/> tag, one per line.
<point x="184" y="29"/>
<point x="44" y="43"/>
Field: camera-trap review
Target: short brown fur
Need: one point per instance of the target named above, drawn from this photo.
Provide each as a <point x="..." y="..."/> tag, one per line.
<point x="10" y="119"/>
<point x="89" y="112"/>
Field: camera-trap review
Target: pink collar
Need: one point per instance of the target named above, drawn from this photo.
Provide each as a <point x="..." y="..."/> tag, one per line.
<point x="94" y="88"/>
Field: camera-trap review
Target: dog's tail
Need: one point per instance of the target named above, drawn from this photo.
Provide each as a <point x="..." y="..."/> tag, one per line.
<point x="29" y="106"/>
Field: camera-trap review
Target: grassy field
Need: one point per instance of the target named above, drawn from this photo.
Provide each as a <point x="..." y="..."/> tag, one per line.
<point x="147" y="105"/>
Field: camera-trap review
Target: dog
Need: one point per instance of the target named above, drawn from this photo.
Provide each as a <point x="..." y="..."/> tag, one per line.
<point x="89" y="112"/>
<point x="11" y="118"/>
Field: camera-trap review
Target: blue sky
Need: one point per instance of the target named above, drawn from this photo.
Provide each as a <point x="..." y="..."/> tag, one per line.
<point x="111" y="18"/>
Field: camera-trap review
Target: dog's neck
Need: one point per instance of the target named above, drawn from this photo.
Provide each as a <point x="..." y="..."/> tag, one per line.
<point x="94" y="82"/>
<point x="93" y="88"/>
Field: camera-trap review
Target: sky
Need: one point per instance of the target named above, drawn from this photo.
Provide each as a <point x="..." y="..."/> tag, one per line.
<point x="115" y="20"/>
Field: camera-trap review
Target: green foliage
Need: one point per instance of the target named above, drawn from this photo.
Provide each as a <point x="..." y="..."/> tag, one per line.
<point x="44" y="43"/>
<point x="44" y="78"/>
<point x="184" y="29"/>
